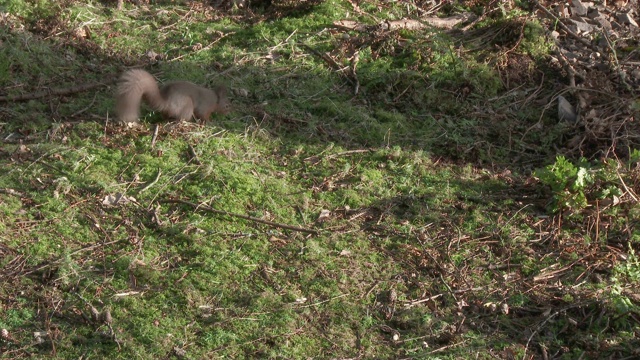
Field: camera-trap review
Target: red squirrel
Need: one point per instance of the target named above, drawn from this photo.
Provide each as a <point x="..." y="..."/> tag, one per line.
<point x="180" y="100"/>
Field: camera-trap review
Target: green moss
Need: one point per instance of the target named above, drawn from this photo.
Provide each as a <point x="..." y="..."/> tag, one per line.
<point x="420" y="191"/>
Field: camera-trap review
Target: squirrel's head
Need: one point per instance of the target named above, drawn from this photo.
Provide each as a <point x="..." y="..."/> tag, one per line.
<point x="224" y="105"/>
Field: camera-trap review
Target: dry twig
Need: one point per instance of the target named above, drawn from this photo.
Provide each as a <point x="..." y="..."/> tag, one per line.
<point x="155" y="136"/>
<point x="332" y="64"/>
<point x="208" y="208"/>
<point x="149" y="185"/>
<point x="194" y="155"/>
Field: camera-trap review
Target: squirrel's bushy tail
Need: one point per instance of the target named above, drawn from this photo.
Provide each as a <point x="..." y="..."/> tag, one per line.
<point x="134" y="85"/>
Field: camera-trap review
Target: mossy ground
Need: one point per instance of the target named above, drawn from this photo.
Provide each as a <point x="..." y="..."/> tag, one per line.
<point x="433" y="239"/>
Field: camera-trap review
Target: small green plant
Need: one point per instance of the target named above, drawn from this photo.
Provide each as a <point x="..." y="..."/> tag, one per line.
<point x="628" y="271"/>
<point x="575" y="186"/>
<point x="568" y="183"/>
<point x="624" y="273"/>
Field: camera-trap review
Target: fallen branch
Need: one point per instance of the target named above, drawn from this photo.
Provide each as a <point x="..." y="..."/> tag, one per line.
<point x="407" y="24"/>
<point x="209" y="209"/>
<point x="51" y="92"/>
<point x="333" y="64"/>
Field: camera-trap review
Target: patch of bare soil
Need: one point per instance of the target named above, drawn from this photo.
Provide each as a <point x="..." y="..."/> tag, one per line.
<point x="597" y="50"/>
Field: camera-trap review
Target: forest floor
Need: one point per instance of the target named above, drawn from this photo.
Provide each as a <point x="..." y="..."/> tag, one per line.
<point x="396" y="179"/>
